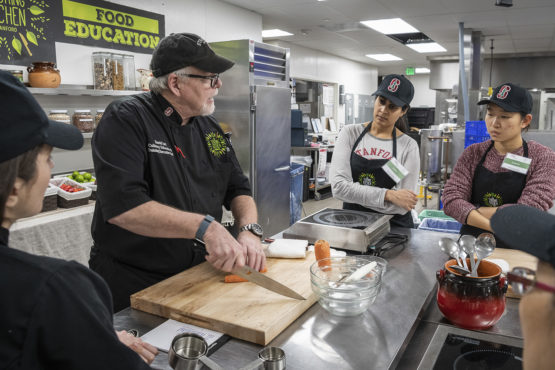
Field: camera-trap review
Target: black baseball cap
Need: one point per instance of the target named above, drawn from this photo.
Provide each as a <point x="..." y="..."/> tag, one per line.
<point x="180" y="50"/>
<point x="24" y="125"/>
<point x="528" y="229"/>
<point x="397" y="88"/>
<point x="510" y="97"/>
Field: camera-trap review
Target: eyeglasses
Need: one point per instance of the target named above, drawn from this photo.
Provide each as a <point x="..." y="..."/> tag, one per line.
<point x="213" y="78"/>
<point x="523" y="279"/>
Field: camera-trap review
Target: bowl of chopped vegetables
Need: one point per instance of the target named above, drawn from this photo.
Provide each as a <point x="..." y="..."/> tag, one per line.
<point x="347" y="286"/>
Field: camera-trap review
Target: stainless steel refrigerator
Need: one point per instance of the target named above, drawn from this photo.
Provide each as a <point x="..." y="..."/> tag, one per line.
<point x="254" y="104"/>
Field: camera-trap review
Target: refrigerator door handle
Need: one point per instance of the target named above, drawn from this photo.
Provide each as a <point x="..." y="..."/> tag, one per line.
<point x="283" y="168"/>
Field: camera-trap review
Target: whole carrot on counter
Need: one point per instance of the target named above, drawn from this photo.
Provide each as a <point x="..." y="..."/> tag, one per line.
<point x="322" y="251"/>
<point x="238" y="279"/>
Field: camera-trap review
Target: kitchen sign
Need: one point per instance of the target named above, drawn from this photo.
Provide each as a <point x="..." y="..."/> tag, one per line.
<point x="109" y="25"/>
<point x="26" y="28"/>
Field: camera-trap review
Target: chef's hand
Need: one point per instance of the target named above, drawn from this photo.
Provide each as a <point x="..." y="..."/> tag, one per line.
<point x="224" y="252"/>
<point x="143" y="349"/>
<point x="255" y="253"/>
<point x="403" y="198"/>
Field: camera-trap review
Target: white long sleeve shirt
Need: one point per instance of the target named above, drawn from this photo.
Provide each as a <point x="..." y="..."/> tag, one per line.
<point x="370" y="147"/>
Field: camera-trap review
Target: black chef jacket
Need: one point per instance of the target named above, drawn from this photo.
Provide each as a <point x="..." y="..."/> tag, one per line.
<point x="56" y="314"/>
<point x="141" y="152"/>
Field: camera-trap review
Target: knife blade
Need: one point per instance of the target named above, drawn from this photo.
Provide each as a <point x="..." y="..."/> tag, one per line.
<point x="264" y="281"/>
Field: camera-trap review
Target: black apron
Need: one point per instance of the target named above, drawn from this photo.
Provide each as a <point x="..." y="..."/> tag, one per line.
<point x="490" y="189"/>
<point x="370" y="172"/>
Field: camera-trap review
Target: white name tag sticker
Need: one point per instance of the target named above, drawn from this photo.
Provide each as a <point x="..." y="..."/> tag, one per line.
<point x="395" y="170"/>
<point x="516" y="163"/>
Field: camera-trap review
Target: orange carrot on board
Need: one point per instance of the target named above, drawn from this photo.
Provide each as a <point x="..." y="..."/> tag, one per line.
<point x="238" y="279"/>
<point x="322" y="250"/>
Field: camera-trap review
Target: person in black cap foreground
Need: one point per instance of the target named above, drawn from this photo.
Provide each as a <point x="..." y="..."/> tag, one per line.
<point x="164" y="168"/>
<point x="532" y="231"/>
<point x="54" y="314"/>
<point x="360" y="174"/>
<point x="504" y="170"/>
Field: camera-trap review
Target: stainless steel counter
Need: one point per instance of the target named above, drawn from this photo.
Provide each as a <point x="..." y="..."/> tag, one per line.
<point x="374" y="340"/>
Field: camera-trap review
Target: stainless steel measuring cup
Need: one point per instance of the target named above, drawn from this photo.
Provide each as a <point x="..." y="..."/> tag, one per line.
<point x="186" y="350"/>
<point x="270" y="358"/>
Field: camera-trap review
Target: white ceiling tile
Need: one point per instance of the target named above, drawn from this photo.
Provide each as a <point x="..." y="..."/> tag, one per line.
<point x="524" y="32"/>
<point x="527" y="26"/>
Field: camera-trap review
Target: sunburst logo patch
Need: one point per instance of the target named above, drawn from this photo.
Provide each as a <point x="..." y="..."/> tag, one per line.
<point x="493" y="200"/>
<point x="216" y="144"/>
<point x="367" y="179"/>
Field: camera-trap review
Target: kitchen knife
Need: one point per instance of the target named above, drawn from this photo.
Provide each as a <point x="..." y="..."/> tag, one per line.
<point x="262" y="280"/>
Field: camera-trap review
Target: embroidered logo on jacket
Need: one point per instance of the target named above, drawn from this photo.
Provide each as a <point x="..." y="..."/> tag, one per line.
<point x="160" y="147"/>
<point x="394" y="85"/>
<point x="503" y="92"/>
<point x="493" y="200"/>
<point x="216" y="144"/>
<point x="367" y="179"/>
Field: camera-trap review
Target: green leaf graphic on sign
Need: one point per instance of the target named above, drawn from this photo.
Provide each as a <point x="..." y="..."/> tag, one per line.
<point x="32" y="38"/>
<point x="16" y="45"/>
<point x="35" y="10"/>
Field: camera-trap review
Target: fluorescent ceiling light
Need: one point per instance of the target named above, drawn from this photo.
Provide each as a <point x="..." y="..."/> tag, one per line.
<point x="391" y="26"/>
<point x="383" y="57"/>
<point x="275" y="33"/>
<point x="421" y="70"/>
<point x="427" y="47"/>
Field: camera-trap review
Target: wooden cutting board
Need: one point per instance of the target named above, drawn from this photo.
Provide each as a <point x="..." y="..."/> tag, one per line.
<point x="246" y="311"/>
<point x="514" y="258"/>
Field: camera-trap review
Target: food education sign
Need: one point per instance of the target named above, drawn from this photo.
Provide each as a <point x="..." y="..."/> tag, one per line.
<point x="109" y="25"/>
<point x="30" y="28"/>
<point x="26" y="28"/>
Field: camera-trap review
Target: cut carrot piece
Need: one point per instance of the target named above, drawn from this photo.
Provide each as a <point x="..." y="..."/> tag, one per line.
<point x="322" y="251"/>
<point x="237" y="279"/>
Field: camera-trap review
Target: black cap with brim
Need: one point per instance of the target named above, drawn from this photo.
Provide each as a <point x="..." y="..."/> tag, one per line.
<point x="397" y="89"/>
<point x="63" y="136"/>
<point x="527" y="229"/>
<point x="392" y="98"/>
<point x="24" y="125"/>
<point x="180" y="50"/>
<point x="506" y="107"/>
<point x="511" y="98"/>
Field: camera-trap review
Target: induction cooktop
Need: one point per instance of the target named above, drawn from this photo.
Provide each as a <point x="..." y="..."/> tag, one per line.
<point x="342" y="228"/>
<point x="458" y="349"/>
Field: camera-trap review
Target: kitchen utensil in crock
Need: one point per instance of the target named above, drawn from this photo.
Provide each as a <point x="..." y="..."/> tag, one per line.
<point x="273" y="358"/>
<point x="450" y="248"/>
<point x="472" y="302"/>
<point x="467" y="244"/>
<point x="186" y="350"/>
<point x="460" y="270"/>
<point x="485" y="245"/>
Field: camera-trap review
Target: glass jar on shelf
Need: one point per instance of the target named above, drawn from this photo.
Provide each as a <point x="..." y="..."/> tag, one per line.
<point x="59" y="115"/>
<point x="129" y="72"/>
<point x="83" y="120"/>
<point x="102" y="70"/>
<point x="117" y="71"/>
<point x="97" y="117"/>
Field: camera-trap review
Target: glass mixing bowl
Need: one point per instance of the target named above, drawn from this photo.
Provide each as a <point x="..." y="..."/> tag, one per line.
<point x="346" y="298"/>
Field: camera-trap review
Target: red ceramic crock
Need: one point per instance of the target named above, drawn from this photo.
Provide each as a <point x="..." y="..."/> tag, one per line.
<point x="472" y="302"/>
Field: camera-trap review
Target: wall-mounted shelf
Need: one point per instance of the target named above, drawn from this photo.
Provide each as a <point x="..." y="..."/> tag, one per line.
<point x="81" y="90"/>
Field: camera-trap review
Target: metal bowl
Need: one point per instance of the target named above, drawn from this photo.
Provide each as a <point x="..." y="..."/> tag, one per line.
<point x="346" y="298"/>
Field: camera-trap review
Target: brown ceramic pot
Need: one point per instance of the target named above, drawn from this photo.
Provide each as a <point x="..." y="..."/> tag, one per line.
<point x="44" y="74"/>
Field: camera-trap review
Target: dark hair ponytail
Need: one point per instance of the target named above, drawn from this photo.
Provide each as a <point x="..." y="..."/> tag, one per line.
<point x="403" y="122"/>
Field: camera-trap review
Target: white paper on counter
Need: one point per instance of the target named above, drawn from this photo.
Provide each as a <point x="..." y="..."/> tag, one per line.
<point x="287" y="248"/>
<point x="161" y="336"/>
